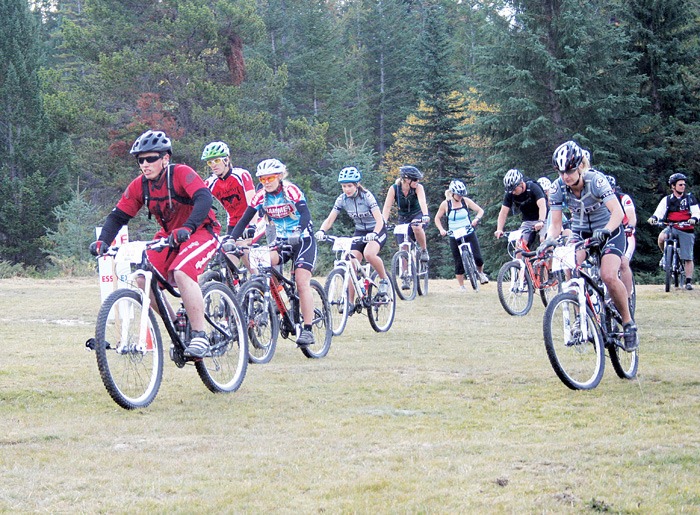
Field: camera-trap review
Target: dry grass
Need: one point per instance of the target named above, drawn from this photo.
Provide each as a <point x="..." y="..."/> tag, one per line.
<point x="456" y="409"/>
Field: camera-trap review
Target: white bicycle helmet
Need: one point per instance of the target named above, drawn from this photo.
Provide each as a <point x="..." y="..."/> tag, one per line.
<point x="567" y="156"/>
<point x="270" y="167"/>
<point x="458" y="188"/>
<point x="545" y="184"/>
<point x="511" y="179"/>
<point x="349" y="174"/>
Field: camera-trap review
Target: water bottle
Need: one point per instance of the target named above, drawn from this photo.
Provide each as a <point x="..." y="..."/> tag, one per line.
<point x="181" y="320"/>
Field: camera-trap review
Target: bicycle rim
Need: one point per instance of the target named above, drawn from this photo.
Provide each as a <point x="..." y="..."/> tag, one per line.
<point x="578" y="362"/>
<point x="624" y="363"/>
<point x="261" y="320"/>
<point x="516" y="295"/>
<point x="338" y="302"/>
<point x="224" y="367"/>
<point x="320" y="325"/>
<point x="403" y="273"/>
<point x="382" y="308"/>
<point x="131" y="370"/>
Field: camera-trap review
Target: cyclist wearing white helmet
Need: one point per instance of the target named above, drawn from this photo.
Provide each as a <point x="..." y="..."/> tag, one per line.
<point x="409" y="195"/>
<point x="362" y="208"/>
<point x="285" y="205"/>
<point x="181" y="204"/>
<point x="595" y="212"/>
<point x="456" y="207"/>
<point x="233" y="187"/>
<point x="679" y="206"/>
<point x="525" y="196"/>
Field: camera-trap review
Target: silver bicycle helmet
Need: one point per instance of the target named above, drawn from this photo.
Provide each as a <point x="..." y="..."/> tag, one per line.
<point x="152" y="141"/>
<point x="545" y="184"/>
<point x="511" y="179"/>
<point x="458" y="188"/>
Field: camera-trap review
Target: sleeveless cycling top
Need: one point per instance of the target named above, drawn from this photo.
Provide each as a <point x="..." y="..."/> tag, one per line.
<point x="408" y="204"/>
<point x="458" y="217"/>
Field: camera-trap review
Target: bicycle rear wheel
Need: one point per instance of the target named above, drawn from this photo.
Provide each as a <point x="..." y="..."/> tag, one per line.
<point x="470" y="270"/>
<point x="679" y="270"/>
<point x="261" y="320"/>
<point x="403" y="273"/>
<point x="516" y="296"/>
<point x="550" y="284"/>
<point x="130" y="370"/>
<point x="578" y="363"/>
<point x="624" y="363"/>
<point x="382" y="308"/>
<point x="224" y="367"/>
<point x="320" y="325"/>
<point x="423" y="276"/>
<point x="338" y="302"/>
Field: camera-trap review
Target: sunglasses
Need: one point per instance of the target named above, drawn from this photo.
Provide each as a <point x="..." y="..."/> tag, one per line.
<point x="149" y="159"/>
<point x="215" y="161"/>
<point x="267" y="179"/>
<point x="567" y="172"/>
<point x="682" y="184"/>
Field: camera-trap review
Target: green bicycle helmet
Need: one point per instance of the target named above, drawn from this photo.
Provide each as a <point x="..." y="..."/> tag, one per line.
<point x="215" y="149"/>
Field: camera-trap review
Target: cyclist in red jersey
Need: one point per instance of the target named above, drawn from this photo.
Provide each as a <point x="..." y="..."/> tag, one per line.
<point x="679" y="206"/>
<point x="181" y="203"/>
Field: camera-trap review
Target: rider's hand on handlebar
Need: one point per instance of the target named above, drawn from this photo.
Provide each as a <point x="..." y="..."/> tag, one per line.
<point x="693" y="221"/>
<point x="98" y="248"/>
<point x="178" y="236"/>
<point x="498" y="233"/>
<point x="320" y="235"/>
<point x="370" y="236"/>
<point x="653" y="220"/>
<point x="425" y="219"/>
<point x="601" y="236"/>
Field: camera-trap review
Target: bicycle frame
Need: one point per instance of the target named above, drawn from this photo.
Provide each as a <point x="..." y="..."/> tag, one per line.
<point x="354" y="269"/>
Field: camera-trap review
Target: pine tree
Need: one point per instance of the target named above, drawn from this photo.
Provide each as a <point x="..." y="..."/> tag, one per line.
<point x="34" y="158"/>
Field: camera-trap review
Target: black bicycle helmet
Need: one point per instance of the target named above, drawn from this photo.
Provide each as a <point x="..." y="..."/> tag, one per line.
<point x="411" y="172"/>
<point x="152" y="141"/>
<point x="675" y="178"/>
<point x="567" y="156"/>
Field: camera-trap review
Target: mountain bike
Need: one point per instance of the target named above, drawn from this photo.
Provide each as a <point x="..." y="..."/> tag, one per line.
<point x="409" y="274"/>
<point x="350" y="278"/>
<point x="465" y="250"/>
<point x="674" y="266"/>
<point x="223" y="269"/>
<point x="271" y="308"/>
<point x="581" y="322"/>
<point x="128" y="343"/>
<point x="518" y="279"/>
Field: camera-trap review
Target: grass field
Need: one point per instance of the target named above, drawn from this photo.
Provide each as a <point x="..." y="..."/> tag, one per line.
<point x="455" y="410"/>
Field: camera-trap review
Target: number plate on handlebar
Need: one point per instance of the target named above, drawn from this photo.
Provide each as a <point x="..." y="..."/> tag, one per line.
<point x="130" y="252"/>
<point x="460" y="233"/>
<point x="564" y="258"/>
<point x="260" y="257"/>
<point x="515" y="236"/>
<point x="342" y="244"/>
<point x="401" y="229"/>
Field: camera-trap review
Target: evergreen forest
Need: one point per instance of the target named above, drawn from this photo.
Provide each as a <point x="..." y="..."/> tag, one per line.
<point x="461" y="89"/>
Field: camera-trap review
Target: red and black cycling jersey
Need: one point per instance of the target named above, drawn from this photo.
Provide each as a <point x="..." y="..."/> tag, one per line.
<point x="230" y="190"/>
<point x="169" y="197"/>
<point x="678" y="209"/>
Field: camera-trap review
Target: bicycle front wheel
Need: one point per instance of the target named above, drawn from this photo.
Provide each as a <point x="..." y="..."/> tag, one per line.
<point x="320" y="325"/>
<point x="578" y="362"/>
<point x="261" y="320"/>
<point x="470" y="269"/>
<point x="423" y="276"/>
<point x="403" y="274"/>
<point x="668" y="265"/>
<point x="338" y="302"/>
<point x="224" y="367"/>
<point x="131" y="369"/>
<point x="516" y="295"/>
<point x="382" y="308"/>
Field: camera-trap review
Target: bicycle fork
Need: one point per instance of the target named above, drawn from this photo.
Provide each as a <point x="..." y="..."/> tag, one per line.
<point x="579" y="286"/>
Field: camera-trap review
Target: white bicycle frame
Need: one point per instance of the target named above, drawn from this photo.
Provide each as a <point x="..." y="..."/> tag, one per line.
<point x="132" y="252"/>
<point x="349" y="262"/>
<point x="564" y="258"/>
<point x="407" y="244"/>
